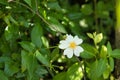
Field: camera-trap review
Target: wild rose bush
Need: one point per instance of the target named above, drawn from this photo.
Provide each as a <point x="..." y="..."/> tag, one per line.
<point x="56" y="40"/>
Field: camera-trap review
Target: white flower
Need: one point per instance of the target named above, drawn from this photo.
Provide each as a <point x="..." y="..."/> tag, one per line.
<point x="71" y="46"/>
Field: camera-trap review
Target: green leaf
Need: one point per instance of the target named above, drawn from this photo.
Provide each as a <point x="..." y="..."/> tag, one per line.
<point x="41" y="58"/>
<point x="111" y="63"/>
<point x="106" y="73"/>
<point x="103" y="52"/>
<point x="115" y="53"/>
<point x="74" y="15"/>
<point x="36" y="35"/>
<point x="89" y="51"/>
<point x="55" y="25"/>
<point x="97" y="69"/>
<point x="75" y="72"/>
<point x="29" y="63"/>
<point x="109" y="48"/>
<point x="13" y="20"/>
<point x="87" y="55"/>
<point x="27" y="46"/>
<point x="28" y="2"/>
<point x="54" y="54"/>
<point x="41" y="71"/>
<point x="61" y="76"/>
<point x="98" y="38"/>
<point x="45" y="41"/>
<point x="90" y="35"/>
<point x="10" y="68"/>
<point x="3" y="76"/>
<point x="54" y="6"/>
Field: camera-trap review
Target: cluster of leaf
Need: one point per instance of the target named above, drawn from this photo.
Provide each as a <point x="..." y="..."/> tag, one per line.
<point x="30" y="28"/>
<point x="99" y="60"/>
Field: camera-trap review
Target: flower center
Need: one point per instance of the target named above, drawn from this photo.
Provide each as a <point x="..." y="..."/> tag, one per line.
<point x="72" y="45"/>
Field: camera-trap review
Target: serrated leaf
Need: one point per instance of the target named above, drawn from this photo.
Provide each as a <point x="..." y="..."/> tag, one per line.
<point x="41" y="58"/>
<point x="36" y="35"/>
<point x="27" y="46"/>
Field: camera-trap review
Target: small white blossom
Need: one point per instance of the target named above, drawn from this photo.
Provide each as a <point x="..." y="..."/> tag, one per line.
<point x="71" y="46"/>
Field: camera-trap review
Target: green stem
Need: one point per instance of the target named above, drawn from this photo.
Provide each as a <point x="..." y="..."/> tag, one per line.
<point x="37" y="13"/>
<point x="51" y="73"/>
<point x="51" y="47"/>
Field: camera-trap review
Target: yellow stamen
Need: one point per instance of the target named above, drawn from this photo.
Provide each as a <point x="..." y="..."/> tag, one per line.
<point x="72" y="45"/>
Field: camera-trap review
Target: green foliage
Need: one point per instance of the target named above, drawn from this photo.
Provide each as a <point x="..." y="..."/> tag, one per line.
<point x="30" y="32"/>
<point x="3" y="77"/>
<point x="89" y="52"/>
<point x="74" y="73"/>
<point x="97" y="69"/>
<point x="41" y="58"/>
<point x="28" y="62"/>
<point x="36" y="35"/>
<point x="27" y="46"/>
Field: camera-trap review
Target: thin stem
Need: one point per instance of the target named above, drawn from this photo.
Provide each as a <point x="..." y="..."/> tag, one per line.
<point x="37" y="13"/>
<point x="51" y="47"/>
<point x="24" y="6"/>
<point x="51" y="73"/>
<point x="81" y="68"/>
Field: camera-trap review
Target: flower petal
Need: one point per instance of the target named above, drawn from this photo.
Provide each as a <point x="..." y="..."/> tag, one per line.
<point x="63" y="45"/>
<point x="68" y="52"/>
<point x="69" y="38"/>
<point x="77" y="40"/>
<point x="78" y="50"/>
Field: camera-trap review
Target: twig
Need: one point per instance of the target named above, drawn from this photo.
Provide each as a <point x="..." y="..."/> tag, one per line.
<point x="37" y="13"/>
